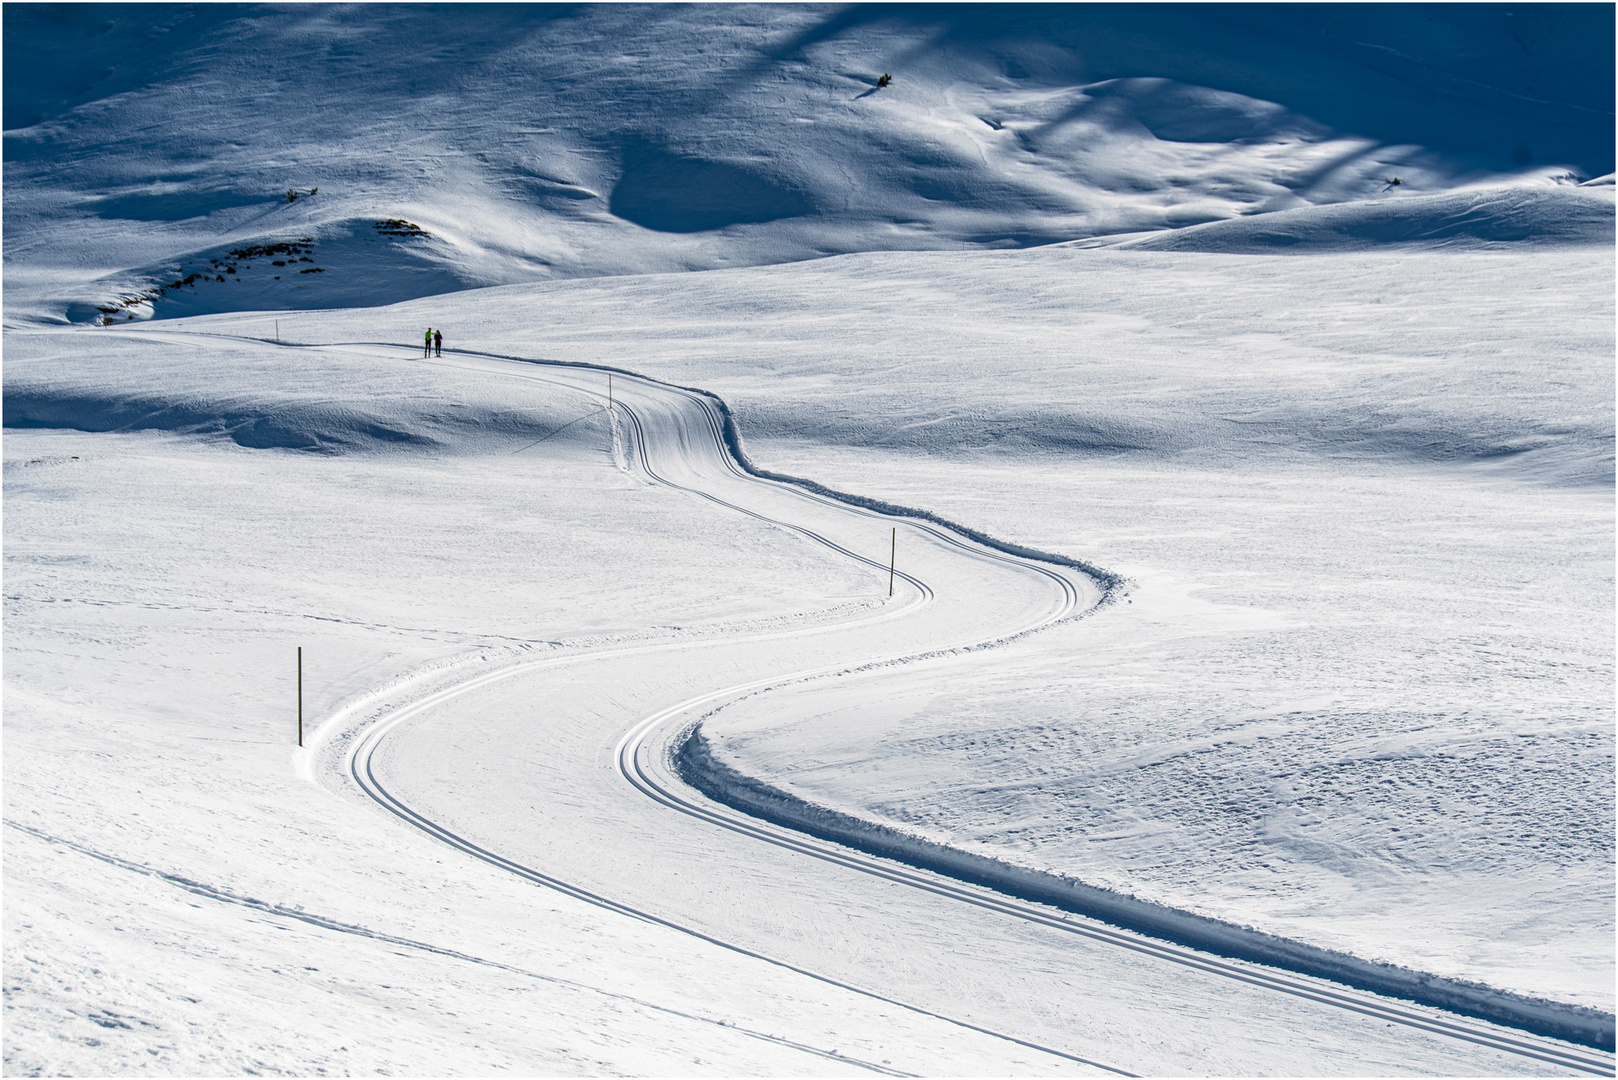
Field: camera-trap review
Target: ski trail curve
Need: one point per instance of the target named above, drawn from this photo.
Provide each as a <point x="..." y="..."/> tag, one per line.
<point x="960" y="591"/>
<point x="646" y="751"/>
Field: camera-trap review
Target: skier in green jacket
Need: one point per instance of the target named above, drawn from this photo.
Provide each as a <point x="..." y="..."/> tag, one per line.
<point x="427" y="345"/>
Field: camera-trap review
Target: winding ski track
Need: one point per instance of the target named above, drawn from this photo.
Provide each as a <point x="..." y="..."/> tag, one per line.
<point x="641" y="757"/>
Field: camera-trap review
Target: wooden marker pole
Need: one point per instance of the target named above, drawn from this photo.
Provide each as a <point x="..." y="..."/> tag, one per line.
<point x="609" y="389"/>
<point x="300" y="695"/>
<point x="893" y="553"/>
<point x="278" y="331"/>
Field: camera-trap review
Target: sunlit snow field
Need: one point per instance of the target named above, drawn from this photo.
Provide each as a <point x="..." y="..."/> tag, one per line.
<point x="1348" y="445"/>
<point x="1358" y="690"/>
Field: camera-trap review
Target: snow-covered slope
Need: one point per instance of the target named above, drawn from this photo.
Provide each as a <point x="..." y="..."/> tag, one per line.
<point x="1474" y="218"/>
<point x="1370" y="486"/>
<point x="1350" y="441"/>
<point x="145" y="145"/>
<point x="1300" y="717"/>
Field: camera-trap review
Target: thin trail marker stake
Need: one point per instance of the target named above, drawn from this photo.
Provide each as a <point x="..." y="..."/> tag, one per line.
<point x="609" y="389"/>
<point x="278" y="331"/>
<point x="893" y="553"/>
<point x="300" y="695"/>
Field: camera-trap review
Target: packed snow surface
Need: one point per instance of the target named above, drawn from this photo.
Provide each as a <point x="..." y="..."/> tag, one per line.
<point x="1128" y="285"/>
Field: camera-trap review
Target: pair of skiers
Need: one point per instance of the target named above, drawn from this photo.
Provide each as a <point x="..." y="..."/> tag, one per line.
<point x="434" y="339"/>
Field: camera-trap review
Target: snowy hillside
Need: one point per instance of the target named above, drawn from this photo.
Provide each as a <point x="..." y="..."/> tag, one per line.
<point x="1278" y="603"/>
<point x="153" y="145"/>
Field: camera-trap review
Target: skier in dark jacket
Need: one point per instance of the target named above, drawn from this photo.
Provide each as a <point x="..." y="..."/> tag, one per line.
<point x="438" y="342"/>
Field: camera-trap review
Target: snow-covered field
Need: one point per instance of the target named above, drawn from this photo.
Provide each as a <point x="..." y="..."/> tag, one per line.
<point x="1351" y="505"/>
<point x="180" y="899"/>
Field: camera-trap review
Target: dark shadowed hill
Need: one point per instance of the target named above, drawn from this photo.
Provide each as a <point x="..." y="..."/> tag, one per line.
<point x="157" y="144"/>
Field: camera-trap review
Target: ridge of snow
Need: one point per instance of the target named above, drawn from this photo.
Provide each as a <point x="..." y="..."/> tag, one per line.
<point x="532" y="143"/>
<point x="1472" y="218"/>
<point x="698" y="765"/>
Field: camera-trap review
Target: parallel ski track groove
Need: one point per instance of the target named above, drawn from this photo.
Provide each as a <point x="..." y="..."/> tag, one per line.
<point x="363" y="773"/>
<point x="628" y="758"/>
<point x="631" y="768"/>
<point x="366" y="778"/>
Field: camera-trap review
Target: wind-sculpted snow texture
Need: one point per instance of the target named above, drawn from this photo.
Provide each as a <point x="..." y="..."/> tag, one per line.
<point x="1464" y="219"/>
<point x="698" y="766"/>
<point x="146" y="146"/>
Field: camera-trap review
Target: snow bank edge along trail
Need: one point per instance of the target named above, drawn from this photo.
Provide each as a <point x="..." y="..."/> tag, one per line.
<point x="676" y="742"/>
<point x="696" y="766"/>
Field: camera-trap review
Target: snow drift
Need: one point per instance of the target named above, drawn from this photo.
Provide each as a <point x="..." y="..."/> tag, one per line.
<point x="1463" y="219"/>
<point x="698" y="766"/>
<point x="371" y="399"/>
